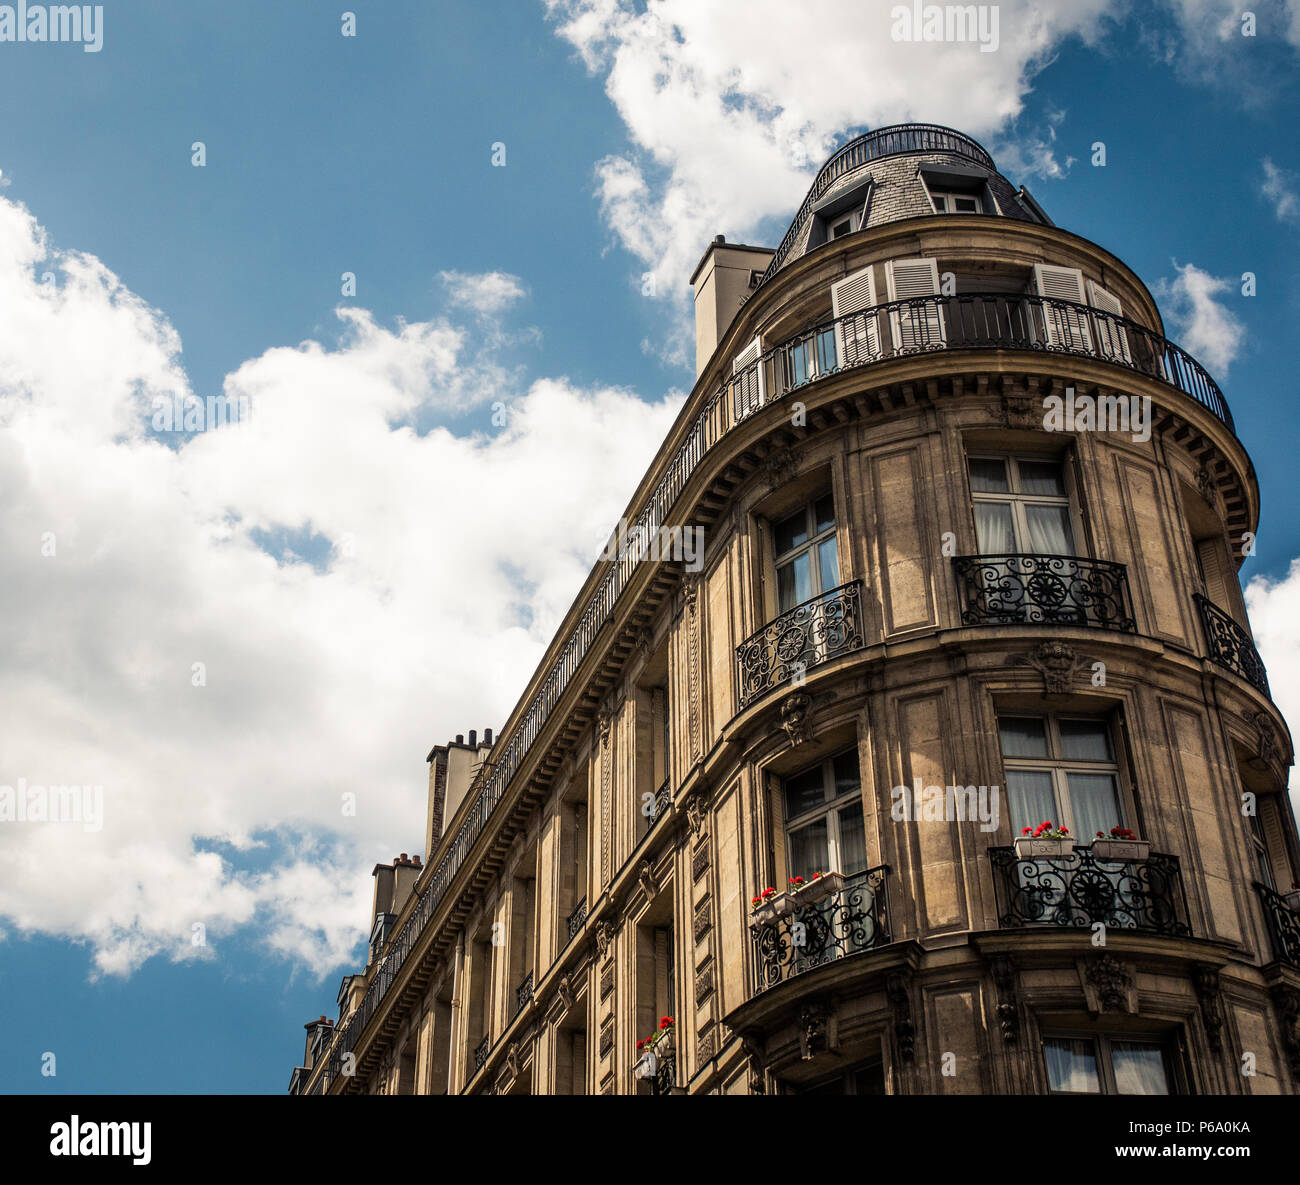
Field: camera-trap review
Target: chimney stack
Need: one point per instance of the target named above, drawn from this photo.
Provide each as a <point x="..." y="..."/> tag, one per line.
<point x="473" y="738"/>
<point x="487" y="736"/>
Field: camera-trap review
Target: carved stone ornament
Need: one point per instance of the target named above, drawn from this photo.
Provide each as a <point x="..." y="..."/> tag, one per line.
<point x="1056" y="662"/>
<point x="1108" y="985"/>
<point x="564" y="989"/>
<point x="1287" y="1001"/>
<point x="1265" y="739"/>
<point x="691" y="590"/>
<point x="1206" y="484"/>
<point x="1020" y="411"/>
<point x="794" y="716"/>
<point x="780" y="465"/>
<point x="695" y="814"/>
<point x="815" y="1025"/>
<point x="645" y="878"/>
<point x="644" y="642"/>
<point x="897" y="989"/>
<point x="757" y="1075"/>
<point x="604" y="933"/>
<point x="512" y="1060"/>
<point x="1205" y="978"/>
<point x="1008" y="1008"/>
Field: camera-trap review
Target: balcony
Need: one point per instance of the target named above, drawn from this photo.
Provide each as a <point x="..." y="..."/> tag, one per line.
<point x="662" y="801"/>
<point x="1025" y="589"/>
<point x="1283" y="925"/>
<point x="523" y="993"/>
<point x="1230" y="645"/>
<point x="577" y="919"/>
<point x="809" y="635"/>
<point x="1077" y="891"/>
<point x="481" y="1051"/>
<point x="850" y="922"/>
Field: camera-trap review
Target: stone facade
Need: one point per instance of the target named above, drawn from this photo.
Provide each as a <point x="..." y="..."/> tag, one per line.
<point x="718" y="725"/>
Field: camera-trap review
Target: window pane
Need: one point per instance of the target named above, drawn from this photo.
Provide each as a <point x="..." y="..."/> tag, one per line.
<point x="869" y="1080"/>
<point x="804" y="792"/>
<point x="824" y="513"/>
<point x="1139" y="1068"/>
<point x="1094" y="804"/>
<point x="853" y="840"/>
<point x="1085" y="740"/>
<point x="1049" y="530"/>
<point x="1022" y="736"/>
<point x="1042" y="477"/>
<point x="1071" y="1065"/>
<point x="940" y="204"/>
<point x="993" y="530"/>
<point x="1031" y="798"/>
<point x="791" y="532"/>
<point x="830" y="565"/>
<point x="808" y="850"/>
<point x="794" y="582"/>
<point x="847" y="780"/>
<point x="966" y="205"/>
<point x="988" y="477"/>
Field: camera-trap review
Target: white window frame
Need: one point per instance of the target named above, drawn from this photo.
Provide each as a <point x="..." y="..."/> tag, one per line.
<point x="1019" y="501"/>
<point x="950" y="197"/>
<point x="809" y="547"/>
<point x="1104" y="1054"/>
<point x="829" y="810"/>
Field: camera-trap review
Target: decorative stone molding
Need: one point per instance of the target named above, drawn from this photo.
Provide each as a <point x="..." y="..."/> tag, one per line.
<point x="606" y="1037"/>
<point x="1020" y="411"/>
<point x="604" y="936"/>
<point x="816" y="1029"/>
<point x="700" y="861"/>
<point x="704" y="1043"/>
<point x="606" y="979"/>
<point x="703" y="919"/>
<point x="1206" y="485"/>
<point x="1056" y="662"/>
<point x="645" y="879"/>
<point x="564" y="990"/>
<point x="512" y="1061"/>
<point x="644" y="642"/>
<point x="1108" y="985"/>
<point x="695" y="813"/>
<point x="898" y="992"/>
<point x="1205" y="978"/>
<point x="1008" y="1006"/>
<point x="703" y="982"/>
<point x="1287" y="1001"/>
<point x="780" y="466"/>
<point x="794" y="716"/>
<point x="1266" y="750"/>
<point x="757" y="1072"/>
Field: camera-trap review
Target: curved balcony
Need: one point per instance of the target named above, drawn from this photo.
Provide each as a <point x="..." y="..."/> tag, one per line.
<point x="1025" y="589"/>
<point x="812" y="633"/>
<point x="851" y="921"/>
<point x="1228" y="644"/>
<point x="1283" y="925"/>
<point x="1078" y="891"/>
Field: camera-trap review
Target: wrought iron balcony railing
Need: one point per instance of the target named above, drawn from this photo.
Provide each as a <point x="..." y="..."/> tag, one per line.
<point x="899" y="328"/>
<point x="1077" y="891"/>
<point x="665" y="1078"/>
<point x="1283" y="925"/>
<point x="1230" y="645"/>
<point x="804" y="637"/>
<point x="849" y="922"/>
<point x="1043" y="590"/>
<point x="662" y="800"/>
<point x="577" y="918"/>
<point x="481" y="1051"/>
<point x="524" y="992"/>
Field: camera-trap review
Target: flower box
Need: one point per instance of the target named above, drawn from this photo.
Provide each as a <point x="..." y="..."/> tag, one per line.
<point x="1292" y="899"/>
<point x="818" y="889"/>
<point x="1029" y="847"/>
<point x="774" y="907"/>
<point x="1121" y="851"/>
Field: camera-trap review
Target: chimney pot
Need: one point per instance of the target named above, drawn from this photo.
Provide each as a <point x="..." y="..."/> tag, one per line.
<point x="460" y="738"/>
<point x="473" y="738"/>
<point x="719" y="238"/>
<point x="487" y="736"/>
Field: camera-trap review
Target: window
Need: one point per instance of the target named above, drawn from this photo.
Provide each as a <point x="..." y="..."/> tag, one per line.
<point x="1263" y="862"/>
<point x="957" y="203"/>
<point x="1062" y="769"/>
<point x="823" y="818"/>
<point x="807" y="563"/>
<point x="843" y="225"/>
<point x="1107" y="1065"/>
<point x="868" y="1078"/>
<point x="1021" y="506"/>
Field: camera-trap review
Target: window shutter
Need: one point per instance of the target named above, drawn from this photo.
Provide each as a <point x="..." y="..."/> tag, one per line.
<point x="1066" y="328"/>
<point x="920" y="326"/>
<point x="857" y="333"/>
<point x="1112" y="341"/>
<point x="747" y="379"/>
<point x="1209" y="552"/>
<point x="1274" y="839"/>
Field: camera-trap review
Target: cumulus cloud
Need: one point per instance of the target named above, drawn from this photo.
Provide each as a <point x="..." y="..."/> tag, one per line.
<point x="1279" y="190"/>
<point x="488" y="293"/>
<point x="1207" y="328"/>
<point x="1274" y="608"/>
<point x="225" y="694"/>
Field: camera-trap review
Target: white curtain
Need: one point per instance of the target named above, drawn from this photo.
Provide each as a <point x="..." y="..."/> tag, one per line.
<point x="993" y="528"/>
<point x="1071" y="1065"/>
<point x="1049" y="530"/>
<point x="1139" y="1069"/>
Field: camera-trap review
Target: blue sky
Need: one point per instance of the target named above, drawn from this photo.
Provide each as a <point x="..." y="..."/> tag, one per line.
<point x="372" y="155"/>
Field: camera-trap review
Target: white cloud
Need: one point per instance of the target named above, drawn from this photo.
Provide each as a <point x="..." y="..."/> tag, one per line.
<point x="446" y="561"/>
<point x="488" y="293"/>
<point x="1278" y="188"/>
<point x="1274" y="608"/>
<point x="1206" y="327"/>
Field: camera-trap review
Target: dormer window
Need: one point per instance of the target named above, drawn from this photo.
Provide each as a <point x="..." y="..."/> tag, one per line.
<point x="844" y="225"/>
<point x="957" y="203"/>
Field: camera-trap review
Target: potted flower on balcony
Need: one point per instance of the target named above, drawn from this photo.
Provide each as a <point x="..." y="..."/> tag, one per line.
<point x="1121" y="846"/>
<point x="1293" y="897"/>
<point x="768" y="906"/>
<point x="1045" y="840"/>
<point x="816" y="888"/>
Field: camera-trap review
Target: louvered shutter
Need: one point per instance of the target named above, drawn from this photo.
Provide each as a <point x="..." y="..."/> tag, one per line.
<point x="747" y="379"/>
<point x="857" y="333"/>
<point x="1066" y="328"/>
<point x="1214" y="572"/>
<point x="1112" y="341"/>
<point x="915" y="326"/>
